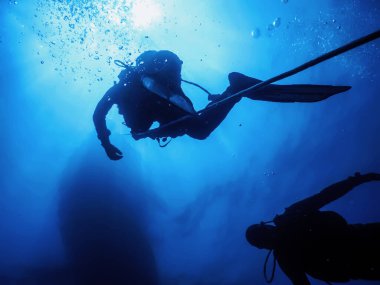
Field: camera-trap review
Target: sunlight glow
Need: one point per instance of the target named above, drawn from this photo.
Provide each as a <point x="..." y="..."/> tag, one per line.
<point x="144" y="13"/>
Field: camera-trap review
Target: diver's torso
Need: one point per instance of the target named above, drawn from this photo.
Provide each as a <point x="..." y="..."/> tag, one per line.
<point x="325" y="247"/>
<point x="141" y="108"/>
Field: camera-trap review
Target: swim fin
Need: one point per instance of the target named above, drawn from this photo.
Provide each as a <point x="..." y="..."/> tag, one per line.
<point x="282" y="93"/>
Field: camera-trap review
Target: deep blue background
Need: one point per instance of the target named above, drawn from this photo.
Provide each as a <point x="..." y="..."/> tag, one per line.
<point x="176" y="214"/>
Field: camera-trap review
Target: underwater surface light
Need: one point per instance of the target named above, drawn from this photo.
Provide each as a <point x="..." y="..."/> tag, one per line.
<point x="82" y="38"/>
<point x="144" y="13"/>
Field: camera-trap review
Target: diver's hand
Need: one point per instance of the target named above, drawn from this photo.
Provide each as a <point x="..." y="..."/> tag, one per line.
<point x="112" y="151"/>
<point x="368" y="176"/>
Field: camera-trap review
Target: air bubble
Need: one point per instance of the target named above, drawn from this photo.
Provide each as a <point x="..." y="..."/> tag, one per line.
<point x="277" y="22"/>
<point x="255" y="33"/>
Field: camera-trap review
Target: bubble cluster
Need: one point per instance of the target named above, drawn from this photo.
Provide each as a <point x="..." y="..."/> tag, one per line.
<point x="81" y="37"/>
<point x="270" y="173"/>
<point x="256" y="32"/>
<point x="275" y="24"/>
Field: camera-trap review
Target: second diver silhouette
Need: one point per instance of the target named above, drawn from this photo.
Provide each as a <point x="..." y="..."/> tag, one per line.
<point x="151" y="92"/>
<point x="321" y="244"/>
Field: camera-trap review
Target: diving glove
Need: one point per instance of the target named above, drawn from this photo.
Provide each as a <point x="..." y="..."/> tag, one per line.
<point x="112" y="151"/>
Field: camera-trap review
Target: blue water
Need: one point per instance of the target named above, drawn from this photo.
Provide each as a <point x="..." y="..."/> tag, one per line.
<point x="174" y="215"/>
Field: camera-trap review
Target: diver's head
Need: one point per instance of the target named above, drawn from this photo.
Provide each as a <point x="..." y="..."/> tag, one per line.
<point x="164" y="65"/>
<point x="262" y="235"/>
<point x="144" y="61"/>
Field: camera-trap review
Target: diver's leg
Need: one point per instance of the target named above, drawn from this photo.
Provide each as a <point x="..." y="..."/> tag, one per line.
<point x="202" y="126"/>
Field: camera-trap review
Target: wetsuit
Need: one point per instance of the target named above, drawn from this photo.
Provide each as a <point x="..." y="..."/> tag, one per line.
<point x="139" y="107"/>
<point x="322" y="244"/>
<point x="146" y="94"/>
<point x="151" y="92"/>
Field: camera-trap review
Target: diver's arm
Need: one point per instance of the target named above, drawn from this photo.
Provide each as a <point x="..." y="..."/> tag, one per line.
<point x="99" y="118"/>
<point x="333" y="192"/>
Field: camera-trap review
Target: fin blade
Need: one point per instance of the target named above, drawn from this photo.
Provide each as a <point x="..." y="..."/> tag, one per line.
<point x="296" y="93"/>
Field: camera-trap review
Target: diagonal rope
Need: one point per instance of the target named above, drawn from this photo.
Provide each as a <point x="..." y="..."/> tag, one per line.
<point x="354" y="44"/>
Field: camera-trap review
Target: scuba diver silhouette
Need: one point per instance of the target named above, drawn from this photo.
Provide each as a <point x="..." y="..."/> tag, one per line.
<point x="305" y="240"/>
<point x="151" y="92"/>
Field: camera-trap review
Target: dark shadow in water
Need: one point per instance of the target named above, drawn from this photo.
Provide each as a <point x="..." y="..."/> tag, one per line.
<point x="101" y="222"/>
<point x="103" y="211"/>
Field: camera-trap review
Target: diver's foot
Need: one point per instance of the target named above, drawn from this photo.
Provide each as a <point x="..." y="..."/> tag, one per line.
<point x="213" y="97"/>
<point x="219" y="97"/>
